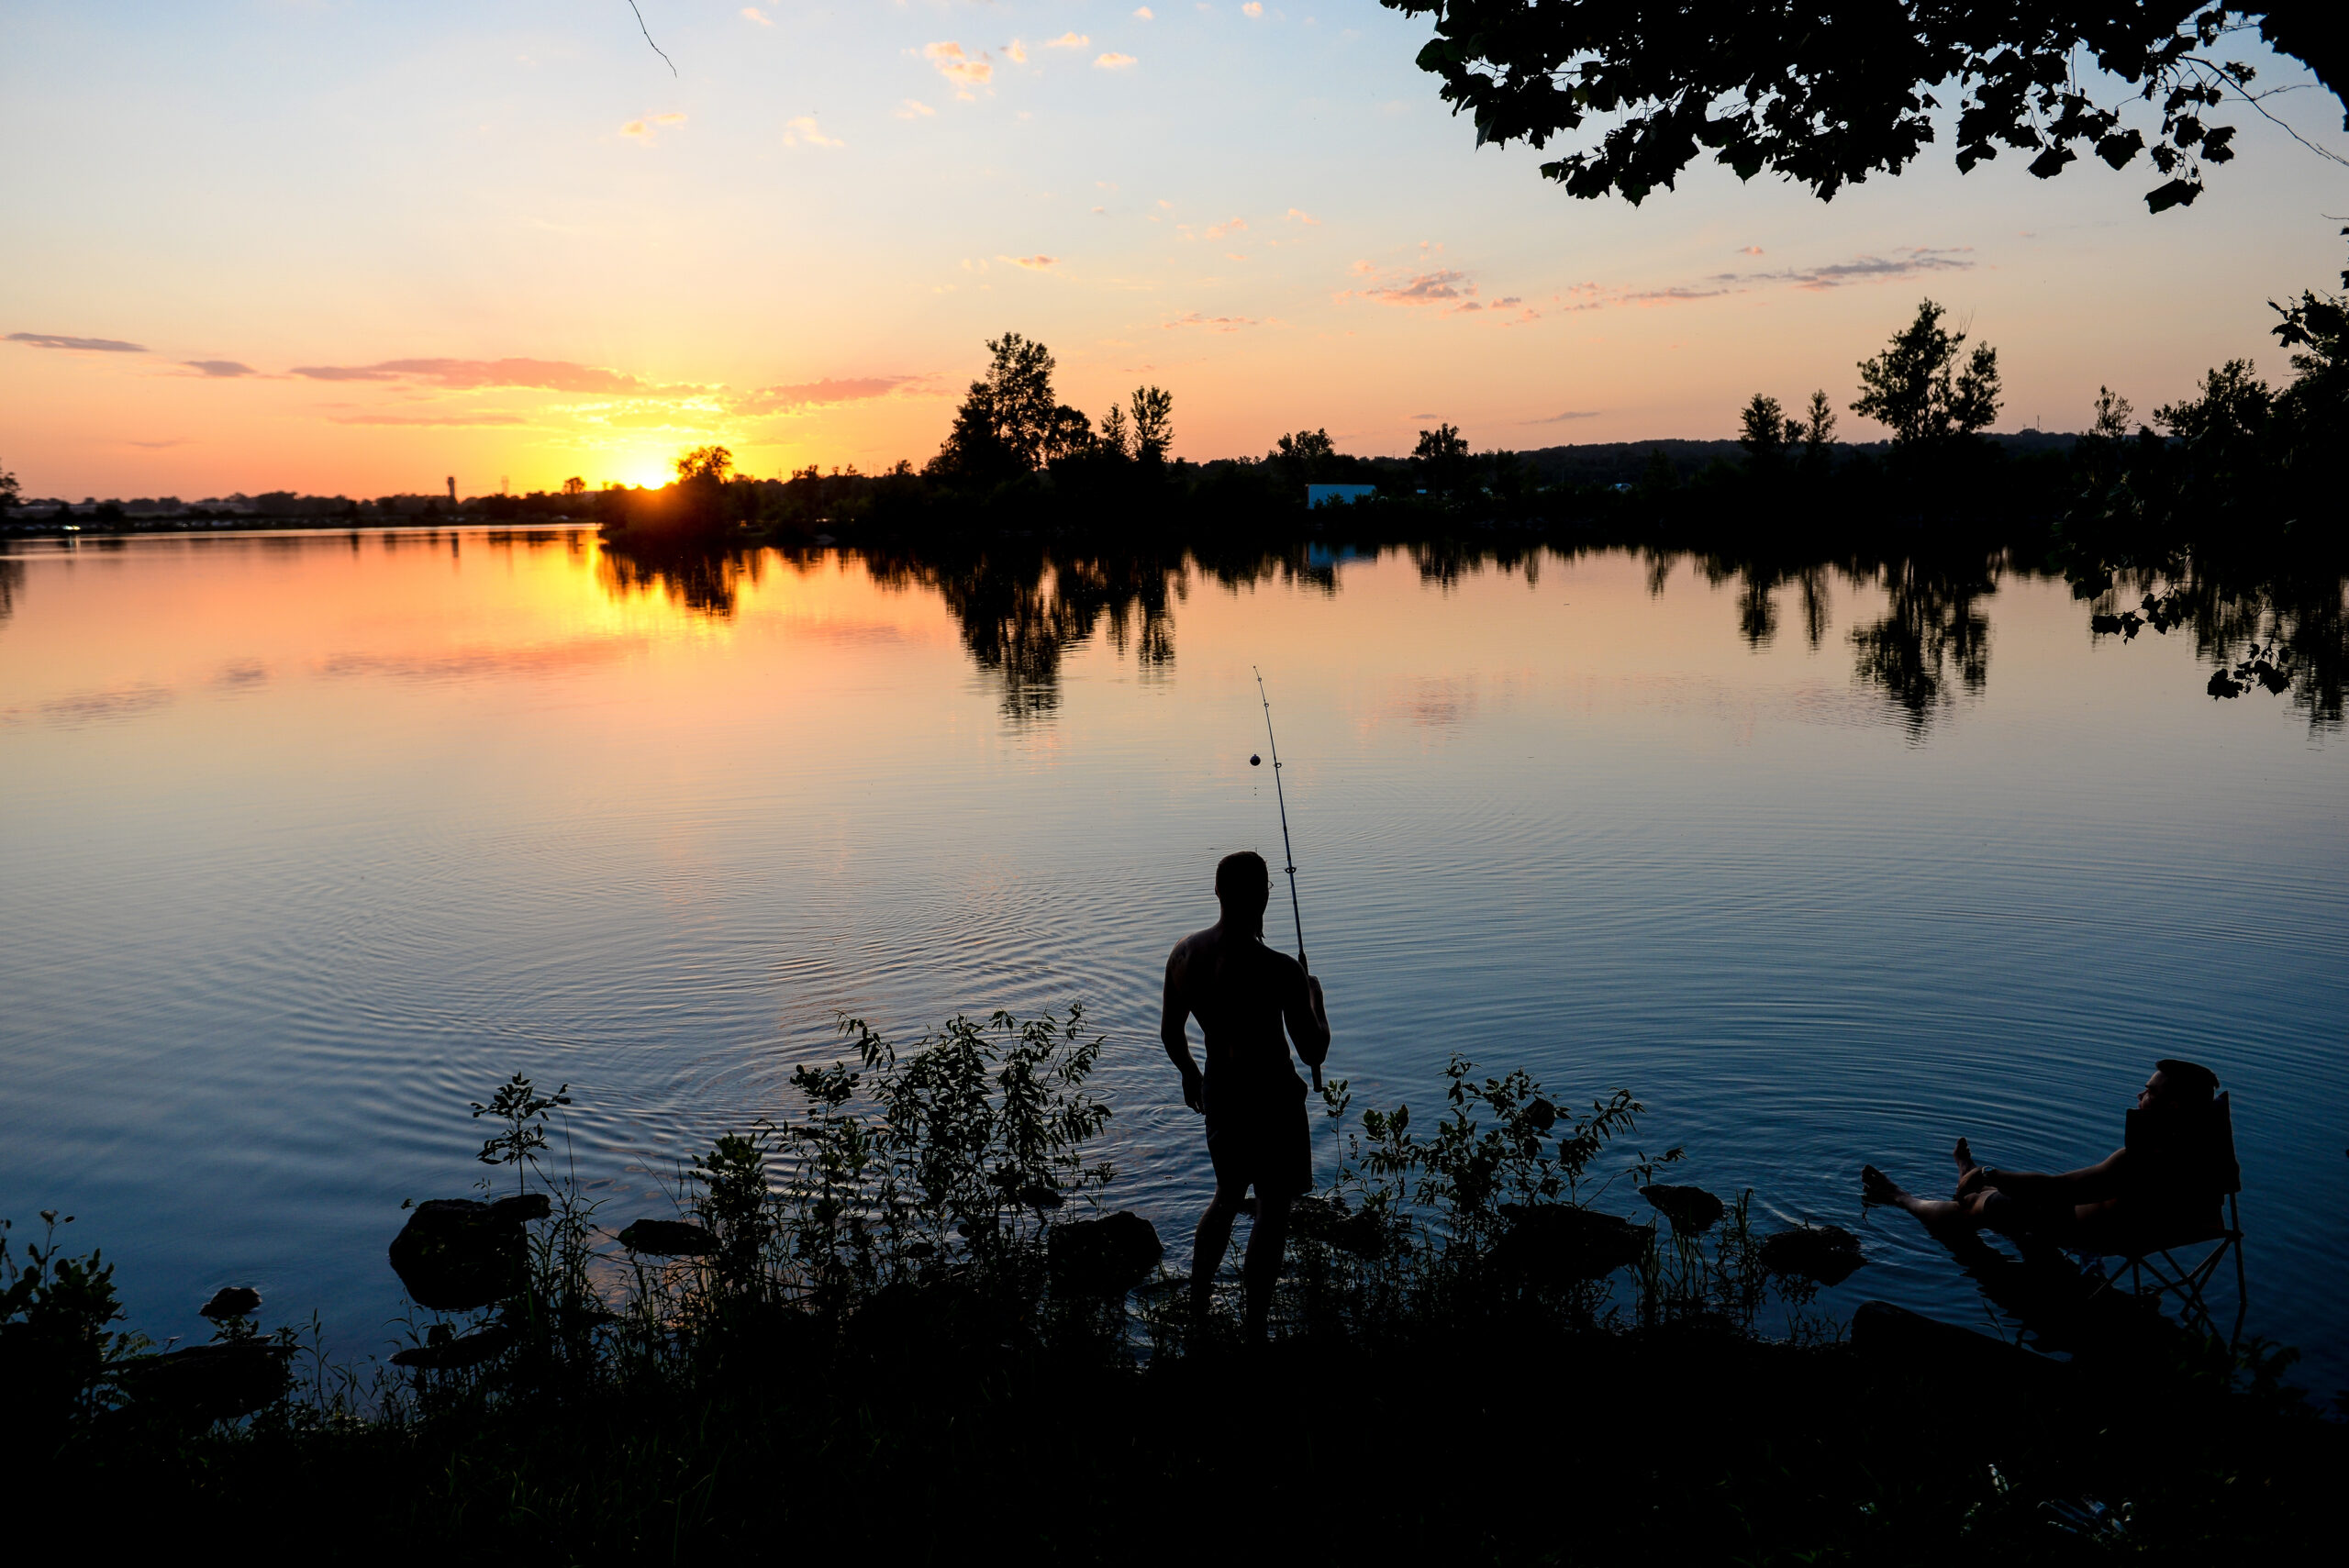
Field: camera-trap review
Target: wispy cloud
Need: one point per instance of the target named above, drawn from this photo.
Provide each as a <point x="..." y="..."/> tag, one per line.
<point x="1562" y="418"/>
<point x="1144" y="13"/>
<point x="1446" y="285"/>
<point x="964" y="71"/>
<point x="466" y="376"/>
<point x="1229" y="226"/>
<point x="1015" y="52"/>
<point x="220" y="368"/>
<point x="915" y="109"/>
<point x="1252" y="10"/>
<point x="827" y="392"/>
<point x="1497" y="310"/>
<point x="1298" y="214"/>
<point x="1681" y="294"/>
<point x="1034" y="263"/>
<point x="1909" y="261"/>
<point x="1070" y="39"/>
<point x="1113" y="61"/>
<point x="753" y="14"/>
<point x="160" y="446"/>
<point x="803" y="131"/>
<point x="84" y="345"/>
<point x="1214" y="323"/>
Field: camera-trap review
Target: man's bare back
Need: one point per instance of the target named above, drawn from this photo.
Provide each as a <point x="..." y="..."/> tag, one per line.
<point x="1245" y="995"/>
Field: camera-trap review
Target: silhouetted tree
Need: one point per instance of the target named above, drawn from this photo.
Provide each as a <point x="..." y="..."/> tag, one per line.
<point x="1916" y="387"/>
<point x="1829" y="95"/>
<point x="1153" y="417"/>
<point x="1312" y="452"/>
<point x="705" y="465"/>
<point x="1117" y="438"/>
<point x="1766" y="434"/>
<point x="2221" y="441"/>
<point x="2238" y="462"/>
<point x="574" y="485"/>
<point x="2113" y="413"/>
<point x="2314" y="410"/>
<point x="1818" y="435"/>
<point x="1441" y="455"/>
<point x="9" y="491"/>
<point x="1818" y="429"/>
<point x="1009" y="423"/>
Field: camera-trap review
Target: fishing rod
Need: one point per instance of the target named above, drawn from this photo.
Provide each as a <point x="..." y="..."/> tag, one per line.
<point x="1286" y="849"/>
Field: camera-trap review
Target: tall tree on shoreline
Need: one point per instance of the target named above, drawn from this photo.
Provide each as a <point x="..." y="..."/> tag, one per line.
<point x="1153" y="417"/>
<point x="1766" y="432"/>
<point x="1010" y="423"/>
<point x="1917" y="388"/>
<point x="1828" y="93"/>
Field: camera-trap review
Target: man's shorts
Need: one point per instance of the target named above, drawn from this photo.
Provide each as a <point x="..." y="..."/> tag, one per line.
<point x="1261" y="1138"/>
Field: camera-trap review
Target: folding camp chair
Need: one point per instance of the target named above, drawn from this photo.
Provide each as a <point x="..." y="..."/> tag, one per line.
<point x="2206" y="1217"/>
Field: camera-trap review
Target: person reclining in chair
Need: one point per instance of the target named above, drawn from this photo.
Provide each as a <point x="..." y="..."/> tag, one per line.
<point x="2161" y="1187"/>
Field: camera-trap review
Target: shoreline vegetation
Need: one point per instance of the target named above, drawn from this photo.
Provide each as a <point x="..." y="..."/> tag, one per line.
<point x="905" y="1322"/>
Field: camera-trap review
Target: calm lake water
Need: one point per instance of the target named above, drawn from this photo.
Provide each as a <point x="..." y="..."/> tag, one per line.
<point x="311" y="839"/>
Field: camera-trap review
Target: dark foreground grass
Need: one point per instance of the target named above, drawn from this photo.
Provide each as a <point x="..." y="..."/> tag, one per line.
<point x="1671" y="1445"/>
<point x="866" y="1343"/>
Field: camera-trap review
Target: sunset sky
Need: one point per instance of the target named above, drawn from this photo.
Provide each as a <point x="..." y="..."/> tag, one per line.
<point x="353" y="245"/>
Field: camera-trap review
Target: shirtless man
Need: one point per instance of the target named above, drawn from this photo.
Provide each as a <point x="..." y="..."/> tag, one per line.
<point x="1242" y="992"/>
<point x="2156" y="1179"/>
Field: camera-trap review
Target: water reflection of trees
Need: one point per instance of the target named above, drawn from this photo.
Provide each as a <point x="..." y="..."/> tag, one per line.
<point x="2283" y="625"/>
<point x="704" y="581"/>
<point x="1931" y="642"/>
<point x="1760" y="583"/>
<point x="1022" y="606"/>
<point x="1021" y="613"/>
<point x="1930" y="630"/>
<point x="12" y="583"/>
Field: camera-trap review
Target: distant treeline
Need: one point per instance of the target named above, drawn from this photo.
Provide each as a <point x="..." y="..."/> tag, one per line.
<point x="2239" y="455"/>
<point x="277" y="508"/>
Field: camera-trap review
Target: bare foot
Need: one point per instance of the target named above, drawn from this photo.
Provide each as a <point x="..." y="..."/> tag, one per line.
<point x="1877" y="1187"/>
<point x="1965" y="1158"/>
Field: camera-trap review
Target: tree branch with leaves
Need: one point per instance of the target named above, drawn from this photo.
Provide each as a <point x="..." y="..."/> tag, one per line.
<point x="1828" y="92"/>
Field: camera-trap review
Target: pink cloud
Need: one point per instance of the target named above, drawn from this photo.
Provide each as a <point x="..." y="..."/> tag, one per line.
<point x="1440" y="287"/>
<point x="828" y="392"/>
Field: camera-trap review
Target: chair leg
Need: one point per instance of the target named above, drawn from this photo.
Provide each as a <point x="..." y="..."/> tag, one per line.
<point x="2242" y="1292"/>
